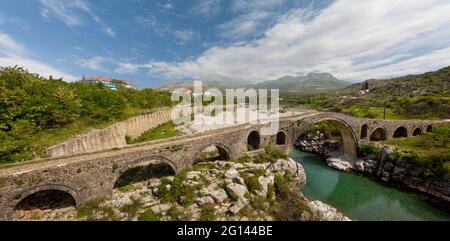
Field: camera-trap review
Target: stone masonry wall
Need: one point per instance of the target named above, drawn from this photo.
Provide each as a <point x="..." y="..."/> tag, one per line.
<point x="110" y="137"/>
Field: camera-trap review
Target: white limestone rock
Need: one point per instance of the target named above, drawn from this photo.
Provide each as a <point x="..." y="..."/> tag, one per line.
<point x="232" y="173"/>
<point x="159" y="208"/>
<point x="236" y="190"/>
<point x="339" y="164"/>
<point x="326" y="212"/>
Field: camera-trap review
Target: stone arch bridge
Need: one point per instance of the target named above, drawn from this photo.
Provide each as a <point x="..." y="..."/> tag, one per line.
<point x="93" y="175"/>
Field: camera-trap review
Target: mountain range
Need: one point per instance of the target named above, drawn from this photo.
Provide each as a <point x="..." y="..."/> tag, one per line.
<point x="311" y="83"/>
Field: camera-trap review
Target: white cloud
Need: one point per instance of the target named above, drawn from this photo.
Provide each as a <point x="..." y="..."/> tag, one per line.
<point x="207" y="7"/>
<point x="94" y="63"/>
<point x="186" y="35"/>
<point x="252" y="5"/>
<point x="13" y="53"/>
<point x="353" y="40"/>
<point x="64" y="10"/>
<point x="167" y="6"/>
<point x="71" y="13"/>
<point x="243" y="26"/>
<point x="108" y="31"/>
<point x="7" y="44"/>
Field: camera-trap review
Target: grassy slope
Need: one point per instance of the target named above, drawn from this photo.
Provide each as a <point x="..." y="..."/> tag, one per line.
<point x="162" y="131"/>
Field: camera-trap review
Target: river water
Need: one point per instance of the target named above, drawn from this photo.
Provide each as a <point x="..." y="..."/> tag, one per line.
<point x="361" y="198"/>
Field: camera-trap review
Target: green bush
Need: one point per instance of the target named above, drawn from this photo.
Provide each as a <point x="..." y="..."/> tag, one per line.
<point x="149" y="215"/>
<point x="367" y="149"/>
<point x="252" y="183"/>
<point x="37" y="112"/>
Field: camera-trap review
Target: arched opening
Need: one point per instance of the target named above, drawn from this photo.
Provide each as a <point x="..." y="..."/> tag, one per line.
<point x="46" y="199"/>
<point x="364" y="131"/>
<point x="417" y="132"/>
<point x="143" y="172"/>
<point x="212" y="153"/>
<point x="378" y="134"/>
<point x="429" y="128"/>
<point x="342" y="137"/>
<point x="400" y="132"/>
<point x="281" y="138"/>
<point x="253" y="141"/>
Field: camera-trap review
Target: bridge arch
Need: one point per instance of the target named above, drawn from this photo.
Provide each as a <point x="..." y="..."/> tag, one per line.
<point x="281" y="138"/>
<point x="221" y="152"/>
<point x="379" y="134"/>
<point x="364" y="130"/>
<point x="430" y="128"/>
<point x="144" y="169"/>
<point x="400" y="132"/>
<point x="349" y="139"/>
<point x="417" y="131"/>
<point x="253" y="140"/>
<point x="59" y="195"/>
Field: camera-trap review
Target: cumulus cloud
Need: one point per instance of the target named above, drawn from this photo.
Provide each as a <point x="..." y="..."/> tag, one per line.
<point x="13" y="53"/>
<point x="354" y="40"/>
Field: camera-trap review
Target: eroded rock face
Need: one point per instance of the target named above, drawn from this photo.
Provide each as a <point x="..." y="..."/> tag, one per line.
<point x="404" y="173"/>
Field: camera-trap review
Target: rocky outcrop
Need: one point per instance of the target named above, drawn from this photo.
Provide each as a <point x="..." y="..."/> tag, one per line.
<point x="326" y="212"/>
<point x="339" y="164"/>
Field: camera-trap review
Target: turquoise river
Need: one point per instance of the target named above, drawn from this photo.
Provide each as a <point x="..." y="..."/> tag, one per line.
<point x="361" y="198"/>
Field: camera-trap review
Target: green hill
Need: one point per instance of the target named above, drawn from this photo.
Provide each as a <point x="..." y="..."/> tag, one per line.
<point x="431" y="83"/>
<point x="423" y="96"/>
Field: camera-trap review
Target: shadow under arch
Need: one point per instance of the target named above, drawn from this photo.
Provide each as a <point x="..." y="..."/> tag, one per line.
<point x="379" y="134"/>
<point x="281" y="138"/>
<point x="143" y="169"/>
<point x="364" y="131"/>
<point x="401" y="131"/>
<point x="49" y="196"/>
<point x="417" y="131"/>
<point x="253" y="140"/>
<point x="212" y="152"/>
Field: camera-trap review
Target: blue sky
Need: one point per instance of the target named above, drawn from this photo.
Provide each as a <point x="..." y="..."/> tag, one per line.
<point x="153" y="42"/>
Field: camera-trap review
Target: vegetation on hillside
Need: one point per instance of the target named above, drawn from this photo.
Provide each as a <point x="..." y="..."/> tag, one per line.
<point x="36" y="112"/>
<point x="162" y="131"/>
<point x="431" y="149"/>
<point x="424" y="96"/>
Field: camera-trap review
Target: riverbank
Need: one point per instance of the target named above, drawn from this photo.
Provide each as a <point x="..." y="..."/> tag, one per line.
<point x="263" y="188"/>
<point x="385" y="164"/>
<point x="362" y="198"/>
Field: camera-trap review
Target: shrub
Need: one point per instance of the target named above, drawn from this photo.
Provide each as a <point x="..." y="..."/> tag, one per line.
<point x="149" y="215"/>
<point x="252" y="183"/>
<point x="208" y="213"/>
